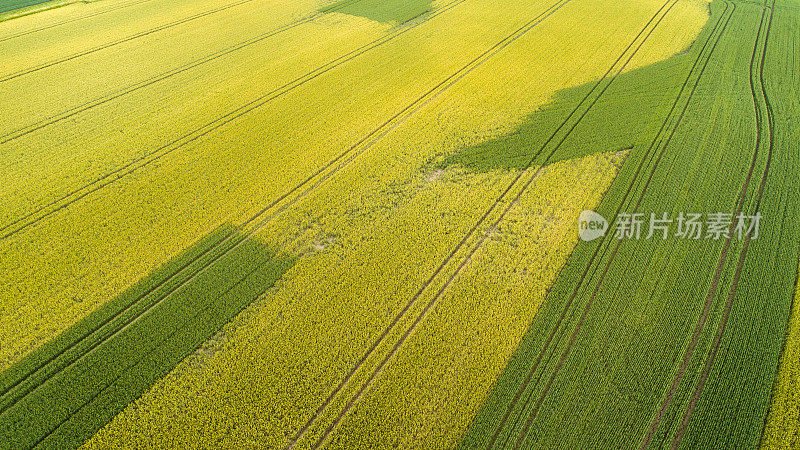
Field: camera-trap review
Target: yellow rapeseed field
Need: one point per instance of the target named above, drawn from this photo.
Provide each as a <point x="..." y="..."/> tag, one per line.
<point x="376" y="231"/>
<point x="207" y="121"/>
<point x="782" y="431"/>
<point x="116" y="235"/>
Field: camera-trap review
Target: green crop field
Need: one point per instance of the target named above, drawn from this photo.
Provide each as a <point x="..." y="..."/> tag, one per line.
<point x="400" y="224"/>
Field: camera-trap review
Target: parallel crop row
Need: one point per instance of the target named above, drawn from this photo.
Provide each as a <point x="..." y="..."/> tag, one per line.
<point x="469" y="245"/>
<point x="46" y="373"/>
<point x="63" y="393"/>
<point x="606" y="337"/>
<point x="149" y="157"/>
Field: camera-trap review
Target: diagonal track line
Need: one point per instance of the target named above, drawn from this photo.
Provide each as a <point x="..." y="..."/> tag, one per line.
<point x="527" y="380"/>
<point x="419" y="318"/>
<point x="64" y="22"/>
<point x="735" y="282"/>
<point x="132" y="37"/>
<point x="22" y="131"/>
<point x="64" y="201"/>
<point x="663" y="144"/>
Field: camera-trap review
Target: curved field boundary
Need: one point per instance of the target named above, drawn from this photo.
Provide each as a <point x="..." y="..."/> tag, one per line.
<point x="523" y="387"/>
<point x="586" y="309"/>
<point x="770" y="133"/>
<point x="10" y="136"/>
<point x="62" y="202"/>
<point x="376" y="372"/>
<point x="59" y="361"/>
<point x="131" y="38"/>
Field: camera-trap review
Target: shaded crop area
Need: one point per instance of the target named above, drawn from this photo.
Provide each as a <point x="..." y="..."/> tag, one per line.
<point x="398" y="11"/>
<point x="62" y="393"/>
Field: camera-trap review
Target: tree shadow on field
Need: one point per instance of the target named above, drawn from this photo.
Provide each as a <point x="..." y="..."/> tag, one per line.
<point x="625" y="116"/>
<point x="398" y="11"/>
<point x="62" y="393"/>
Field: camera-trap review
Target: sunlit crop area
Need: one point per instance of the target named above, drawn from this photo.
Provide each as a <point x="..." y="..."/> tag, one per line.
<point x="359" y="224"/>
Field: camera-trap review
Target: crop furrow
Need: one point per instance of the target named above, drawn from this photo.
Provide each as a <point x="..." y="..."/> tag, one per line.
<point x="64" y="201"/>
<point x="439" y="270"/>
<point x="734" y="284"/>
<point x="121" y="41"/>
<point x="548" y="342"/>
<point x="64" y="22"/>
<point x="8" y="137"/>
